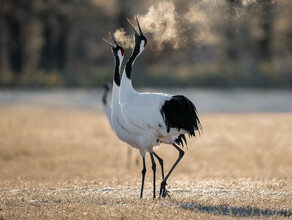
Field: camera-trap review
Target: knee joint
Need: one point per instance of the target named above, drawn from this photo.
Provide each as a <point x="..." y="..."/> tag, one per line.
<point x="181" y="153"/>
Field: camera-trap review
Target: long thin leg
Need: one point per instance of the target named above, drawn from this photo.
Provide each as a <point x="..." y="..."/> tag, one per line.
<point x="163" y="192"/>
<point x="161" y="164"/>
<point x="143" y="176"/>
<point x="154" y="173"/>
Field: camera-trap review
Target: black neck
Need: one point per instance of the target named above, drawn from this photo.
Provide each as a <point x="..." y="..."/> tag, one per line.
<point x="131" y="60"/>
<point x="117" y="77"/>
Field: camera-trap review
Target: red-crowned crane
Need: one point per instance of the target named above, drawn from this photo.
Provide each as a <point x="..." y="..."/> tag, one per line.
<point x="106" y="100"/>
<point x="153" y="118"/>
<point x="120" y="126"/>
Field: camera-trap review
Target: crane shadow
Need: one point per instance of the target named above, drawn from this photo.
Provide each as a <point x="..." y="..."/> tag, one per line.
<point x="244" y="211"/>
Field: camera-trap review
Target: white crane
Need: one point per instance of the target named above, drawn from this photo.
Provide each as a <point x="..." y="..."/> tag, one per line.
<point x="111" y="93"/>
<point x="153" y="118"/>
<point x="106" y="100"/>
<point x="120" y="126"/>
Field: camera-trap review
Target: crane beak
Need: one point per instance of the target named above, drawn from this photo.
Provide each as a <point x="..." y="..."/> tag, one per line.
<point x="141" y="33"/>
<point x="108" y="42"/>
<point x="107" y="86"/>
<point x="132" y="26"/>
<point x="114" y="39"/>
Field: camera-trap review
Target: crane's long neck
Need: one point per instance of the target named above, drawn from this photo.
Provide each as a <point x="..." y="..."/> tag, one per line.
<point x="131" y="61"/>
<point x="127" y="91"/>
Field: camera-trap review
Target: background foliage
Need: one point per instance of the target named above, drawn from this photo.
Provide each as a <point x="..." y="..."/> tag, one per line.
<point x="58" y="43"/>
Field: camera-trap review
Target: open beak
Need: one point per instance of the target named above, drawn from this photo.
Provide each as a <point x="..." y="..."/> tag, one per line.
<point x="140" y="31"/>
<point x="114" y="39"/>
<point x="108" y="42"/>
<point x="134" y="29"/>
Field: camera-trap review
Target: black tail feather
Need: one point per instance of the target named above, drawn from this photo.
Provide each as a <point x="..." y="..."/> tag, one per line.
<point x="180" y="113"/>
<point x="180" y="140"/>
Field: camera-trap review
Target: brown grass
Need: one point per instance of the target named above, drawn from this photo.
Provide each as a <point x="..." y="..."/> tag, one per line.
<point x="60" y="164"/>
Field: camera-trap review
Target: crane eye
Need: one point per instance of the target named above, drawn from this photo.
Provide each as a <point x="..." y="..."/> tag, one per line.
<point x="122" y="51"/>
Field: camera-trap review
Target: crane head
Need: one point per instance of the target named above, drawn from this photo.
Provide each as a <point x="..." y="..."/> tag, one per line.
<point x="117" y="49"/>
<point x="107" y="86"/>
<point x="140" y="39"/>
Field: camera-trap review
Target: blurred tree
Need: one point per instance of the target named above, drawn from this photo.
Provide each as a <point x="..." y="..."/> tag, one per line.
<point x="231" y="31"/>
<point x="58" y="42"/>
<point x="12" y="14"/>
<point x="265" y="41"/>
<point x="124" y="12"/>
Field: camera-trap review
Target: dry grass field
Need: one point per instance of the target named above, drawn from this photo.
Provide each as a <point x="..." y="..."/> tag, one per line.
<point x="68" y="164"/>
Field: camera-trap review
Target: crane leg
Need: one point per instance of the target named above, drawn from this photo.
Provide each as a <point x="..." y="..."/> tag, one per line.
<point x="154" y="173"/>
<point x="161" y="164"/>
<point x="143" y="176"/>
<point x="163" y="191"/>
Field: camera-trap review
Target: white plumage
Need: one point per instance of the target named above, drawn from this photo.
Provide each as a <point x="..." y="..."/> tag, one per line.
<point x="107" y="108"/>
<point x="142" y="111"/>
<point x="117" y="120"/>
<point x="144" y="120"/>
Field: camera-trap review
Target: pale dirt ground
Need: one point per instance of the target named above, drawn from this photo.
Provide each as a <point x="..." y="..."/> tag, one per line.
<point x="68" y="164"/>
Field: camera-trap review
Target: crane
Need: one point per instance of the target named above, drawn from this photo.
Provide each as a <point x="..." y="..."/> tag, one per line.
<point x="117" y="120"/>
<point x="106" y="100"/>
<point x="155" y="117"/>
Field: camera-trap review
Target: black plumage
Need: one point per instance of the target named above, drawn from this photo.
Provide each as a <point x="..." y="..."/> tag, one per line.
<point x="180" y="113"/>
<point x="180" y="140"/>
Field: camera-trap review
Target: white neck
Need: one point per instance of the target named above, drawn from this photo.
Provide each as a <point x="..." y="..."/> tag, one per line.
<point x="142" y="47"/>
<point x="120" y="58"/>
<point x="126" y="90"/>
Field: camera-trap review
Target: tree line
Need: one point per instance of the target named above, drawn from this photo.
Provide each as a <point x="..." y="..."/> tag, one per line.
<point x="58" y="43"/>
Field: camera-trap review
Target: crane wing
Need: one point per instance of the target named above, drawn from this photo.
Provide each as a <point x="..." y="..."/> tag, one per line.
<point x="143" y="111"/>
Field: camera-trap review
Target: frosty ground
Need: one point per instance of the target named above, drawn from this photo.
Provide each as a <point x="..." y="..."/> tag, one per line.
<point x="67" y="163"/>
